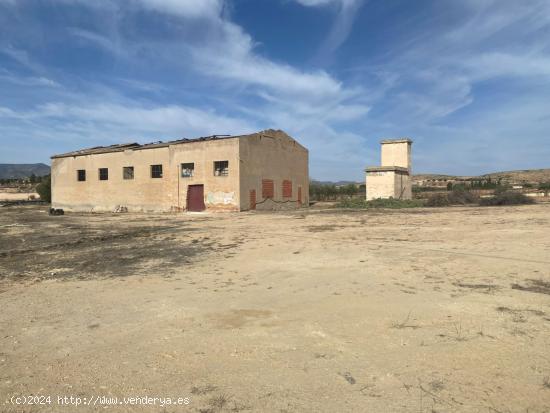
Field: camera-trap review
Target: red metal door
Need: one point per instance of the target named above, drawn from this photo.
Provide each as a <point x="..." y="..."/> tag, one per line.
<point x="195" y="198"/>
<point x="252" y="199"/>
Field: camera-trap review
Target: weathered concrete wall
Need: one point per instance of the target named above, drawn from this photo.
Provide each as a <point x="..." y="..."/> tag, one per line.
<point x="266" y="155"/>
<point x="388" y="184"/>
<point x="380" y="184"/>
<point x="144" y="193"/>
<point x="221" y="193"/>
<point x="403" y="186"/>
<point x="396" y="152"/>
<point x="276" y="156"/>
<point x="393" y="178"/>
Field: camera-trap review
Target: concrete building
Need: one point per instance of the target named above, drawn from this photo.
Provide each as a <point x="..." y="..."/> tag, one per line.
<point x="263" y="170"/>
<point x="393" y="178"/>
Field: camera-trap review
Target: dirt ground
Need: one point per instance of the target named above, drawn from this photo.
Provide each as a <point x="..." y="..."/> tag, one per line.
<point x="18" y="196"/>
<point x="420" y="310"/>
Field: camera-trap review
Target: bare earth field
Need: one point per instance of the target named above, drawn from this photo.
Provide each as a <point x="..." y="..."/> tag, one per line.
<point x="18" y="196"/>
<point x="421" y="310"/>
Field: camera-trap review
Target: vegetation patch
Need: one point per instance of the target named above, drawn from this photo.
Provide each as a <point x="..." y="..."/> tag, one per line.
<point x="380" y="203"/>
<point x="438" y="200"/>
<point x="457" y="196"/>
<point x="462" y="197"/>
<point x="507" y="198"/>
<point x="44" y="189"/>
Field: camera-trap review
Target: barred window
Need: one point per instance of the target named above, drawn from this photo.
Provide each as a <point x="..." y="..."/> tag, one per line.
<point x="128" y="172"/>
<point x="187" y="170"/>
<point x="221" y="168"/>
<point x="81" y="175"/>
<point x="156" y="171"/>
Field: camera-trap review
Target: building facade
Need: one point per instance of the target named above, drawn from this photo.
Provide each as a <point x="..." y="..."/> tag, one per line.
<point x="265" y="170"/>
<point x="393" y="178"/>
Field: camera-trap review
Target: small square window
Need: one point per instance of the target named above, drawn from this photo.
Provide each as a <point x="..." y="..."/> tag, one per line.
<point x="187" y="170"/>
<point x="128" y="172"/>
<point x="103" y="174"/>
<point x="221" y="168"/>
<point x="81" y="175"/>
<point x="156" y="171"/>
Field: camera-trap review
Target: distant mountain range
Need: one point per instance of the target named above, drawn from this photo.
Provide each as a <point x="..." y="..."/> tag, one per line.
<point x="21" y="170"/>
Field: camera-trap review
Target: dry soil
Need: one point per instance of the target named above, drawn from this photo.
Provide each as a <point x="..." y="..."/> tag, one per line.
<point x="421" y="310"/>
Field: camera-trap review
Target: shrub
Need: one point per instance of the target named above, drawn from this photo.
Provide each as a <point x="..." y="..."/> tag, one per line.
<point x="44" y="189"/>
<point x="502" y="188"/>
<point x="438" y="200"/>
<point x="380" y="203"/>
<point x="461" y="197"/>
<point x="507" y="198"/>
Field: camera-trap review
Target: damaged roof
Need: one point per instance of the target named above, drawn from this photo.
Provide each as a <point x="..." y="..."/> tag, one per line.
<point x="136" y="146"/>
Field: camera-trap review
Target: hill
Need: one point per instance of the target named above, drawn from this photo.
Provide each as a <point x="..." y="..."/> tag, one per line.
<point x="528" y="175"/>
<point x="14" y="170"/>
<point x="519" y="176"/>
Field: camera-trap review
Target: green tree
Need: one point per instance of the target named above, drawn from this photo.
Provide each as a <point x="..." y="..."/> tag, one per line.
<point x="545" y="186"/>
<point x="349" y="190"/>
<point x="44" y="189"/>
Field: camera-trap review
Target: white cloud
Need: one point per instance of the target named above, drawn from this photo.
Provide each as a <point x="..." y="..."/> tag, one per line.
<point x="186" y="8"/>
<point x="494" y="64"/>
<point x="122" y="122"/>
<point x="6" y="76"/>
<point x="320" y="3"/>
<point x="341" y="28"/>
<point x="432" y="72"/>
<point x="214" y="50"/>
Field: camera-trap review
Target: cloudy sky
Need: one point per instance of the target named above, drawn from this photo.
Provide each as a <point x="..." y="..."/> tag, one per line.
<point x="467" y="80"/>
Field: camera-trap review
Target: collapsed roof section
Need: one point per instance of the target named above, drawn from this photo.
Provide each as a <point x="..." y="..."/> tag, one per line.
<point x="272" y="133"/>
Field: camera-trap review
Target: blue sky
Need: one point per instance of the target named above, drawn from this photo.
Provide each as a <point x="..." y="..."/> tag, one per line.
<point x="467" y="80"/>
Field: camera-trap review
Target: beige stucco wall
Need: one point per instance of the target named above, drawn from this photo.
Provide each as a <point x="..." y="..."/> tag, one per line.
<point x="388" y="181"/>
<point x="251" y="158"/>
<point x="396" y="154"/>
<point x="380" y="185"/>
<point x="220" y="192"/>
<point x="144" y="193"/>
<point x="403" y="186"/>
<point x="278" y="157"/>
<point x="388" y="184"/>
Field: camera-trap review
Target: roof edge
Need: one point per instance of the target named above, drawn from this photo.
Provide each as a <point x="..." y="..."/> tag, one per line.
<point x="386" y="169"/>
<point x="97" y="150"/>
<point x="398" y="140"/>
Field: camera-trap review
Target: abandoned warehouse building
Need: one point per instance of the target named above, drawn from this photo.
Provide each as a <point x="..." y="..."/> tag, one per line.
<point x="264" y="170"/>
<point x="393" y="178"/>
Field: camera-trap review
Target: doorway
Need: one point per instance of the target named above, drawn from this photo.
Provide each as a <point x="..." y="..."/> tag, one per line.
<point x="195" y="198"/>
